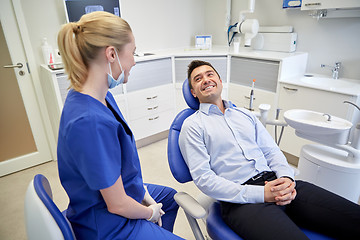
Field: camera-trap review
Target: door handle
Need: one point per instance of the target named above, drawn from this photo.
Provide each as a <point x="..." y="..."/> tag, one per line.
<point x="18" y="65"/>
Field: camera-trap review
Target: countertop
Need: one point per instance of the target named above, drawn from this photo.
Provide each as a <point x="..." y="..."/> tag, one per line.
<point x="342" y="85"/>
<point x="216" y="51"/>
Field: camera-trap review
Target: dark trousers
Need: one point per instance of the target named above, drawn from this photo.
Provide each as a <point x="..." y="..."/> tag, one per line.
<point x="314" y="208"/>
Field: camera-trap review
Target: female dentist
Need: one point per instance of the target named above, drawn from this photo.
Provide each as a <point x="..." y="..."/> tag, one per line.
<point x="97" y="157"/>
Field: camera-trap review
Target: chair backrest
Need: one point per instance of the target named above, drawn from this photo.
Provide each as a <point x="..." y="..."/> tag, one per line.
<point x="190" y="100"/>
<point x="178" y="167"/>
<point x="43" y="219"/>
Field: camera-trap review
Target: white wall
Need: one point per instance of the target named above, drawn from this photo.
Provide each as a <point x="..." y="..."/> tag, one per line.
<point x="162" y="24"/>
<point x="326" y="40"/>
<point x="156" y="24"/>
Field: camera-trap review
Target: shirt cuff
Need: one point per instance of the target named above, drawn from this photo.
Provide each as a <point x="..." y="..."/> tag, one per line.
<point x="254" y="194"/>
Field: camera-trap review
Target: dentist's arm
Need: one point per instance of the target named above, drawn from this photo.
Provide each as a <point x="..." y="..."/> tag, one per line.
<point x="118" y="202"/>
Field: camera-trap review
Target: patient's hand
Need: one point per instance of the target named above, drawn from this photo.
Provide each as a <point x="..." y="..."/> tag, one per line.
<point x="281" y="191"/>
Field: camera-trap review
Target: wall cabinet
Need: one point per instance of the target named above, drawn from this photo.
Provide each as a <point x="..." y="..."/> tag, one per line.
<point x="298" y="97"/>
<point x="329" y="4"/>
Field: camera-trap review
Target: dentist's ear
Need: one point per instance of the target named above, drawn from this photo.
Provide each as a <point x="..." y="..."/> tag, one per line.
<point x="110" y="53"/>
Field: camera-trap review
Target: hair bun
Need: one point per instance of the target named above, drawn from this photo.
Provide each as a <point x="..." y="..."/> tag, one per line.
<point x="76" y="27"/>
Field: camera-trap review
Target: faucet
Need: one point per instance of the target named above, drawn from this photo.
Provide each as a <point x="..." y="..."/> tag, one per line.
<point x="335" y="70"/>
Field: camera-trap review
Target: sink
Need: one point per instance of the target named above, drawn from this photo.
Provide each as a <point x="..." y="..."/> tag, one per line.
<point x="328" y="82"/>
<point x="315" y="126"/>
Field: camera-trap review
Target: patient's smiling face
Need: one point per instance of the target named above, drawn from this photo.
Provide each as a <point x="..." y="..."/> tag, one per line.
<point x="206" y="84"/>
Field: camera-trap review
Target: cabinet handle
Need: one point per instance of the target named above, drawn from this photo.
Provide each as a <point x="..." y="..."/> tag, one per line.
<point x="247" y="97"/>
<point x="153" y="97"/>
<point x="291" y="89"/>
<point x="152" y="108"/>
<point x="312" y="4"/>
<point x="154" y="118"/>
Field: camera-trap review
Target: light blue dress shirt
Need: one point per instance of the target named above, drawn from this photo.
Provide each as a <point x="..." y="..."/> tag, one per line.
<point x="223" y="151"/>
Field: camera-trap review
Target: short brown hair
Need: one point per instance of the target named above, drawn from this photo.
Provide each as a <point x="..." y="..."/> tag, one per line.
<point x="195" y="64"/>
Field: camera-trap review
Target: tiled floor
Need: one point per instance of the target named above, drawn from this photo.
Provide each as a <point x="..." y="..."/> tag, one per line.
<point x="13" y="187"/>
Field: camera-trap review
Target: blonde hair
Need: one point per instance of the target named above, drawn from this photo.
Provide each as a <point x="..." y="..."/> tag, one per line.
<point x="79" y="42"/>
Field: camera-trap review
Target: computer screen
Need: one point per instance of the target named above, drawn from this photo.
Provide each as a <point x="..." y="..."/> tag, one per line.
<point x="76" y="8"/>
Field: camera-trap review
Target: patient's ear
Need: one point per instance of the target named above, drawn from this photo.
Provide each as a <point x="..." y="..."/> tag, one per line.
<point x="192" y="92"/>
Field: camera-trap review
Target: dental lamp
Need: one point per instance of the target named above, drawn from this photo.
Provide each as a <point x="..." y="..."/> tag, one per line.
<point x="248" y="27"/>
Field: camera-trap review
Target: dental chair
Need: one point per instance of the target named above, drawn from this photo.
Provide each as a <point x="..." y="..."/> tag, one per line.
<point x="210" y="209"/>
<point x="43" y="219"/>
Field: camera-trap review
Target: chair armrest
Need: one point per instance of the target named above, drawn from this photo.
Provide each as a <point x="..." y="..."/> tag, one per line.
<point x="190" y="205"/>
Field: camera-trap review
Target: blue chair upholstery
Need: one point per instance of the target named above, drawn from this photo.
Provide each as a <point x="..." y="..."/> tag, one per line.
<point x="44" y="221"/>
<point x="215" y="226"/>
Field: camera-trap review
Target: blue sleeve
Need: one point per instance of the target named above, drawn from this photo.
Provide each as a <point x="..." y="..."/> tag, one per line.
<point x="95" y="148"/>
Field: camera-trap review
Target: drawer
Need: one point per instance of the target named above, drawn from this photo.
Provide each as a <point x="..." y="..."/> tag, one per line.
<point x="156" y="123"/>
<point x="151" y="97"/>
<point x="150" y="110"/>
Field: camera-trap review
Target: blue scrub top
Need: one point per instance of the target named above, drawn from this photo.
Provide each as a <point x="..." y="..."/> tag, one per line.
<point x="95" y="147"/>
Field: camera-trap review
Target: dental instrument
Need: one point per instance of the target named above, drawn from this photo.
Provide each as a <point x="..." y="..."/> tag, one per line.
<point x="252" y="96"/>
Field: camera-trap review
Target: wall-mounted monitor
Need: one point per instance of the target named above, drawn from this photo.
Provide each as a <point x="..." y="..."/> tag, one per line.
<point x="76" y="8"/>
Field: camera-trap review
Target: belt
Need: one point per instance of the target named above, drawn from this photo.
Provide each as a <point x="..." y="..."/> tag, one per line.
<point x="256" y="177"/>
<point x="260" y="178"/>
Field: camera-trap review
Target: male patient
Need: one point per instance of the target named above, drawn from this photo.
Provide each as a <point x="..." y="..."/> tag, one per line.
<point x="233" y="159"/>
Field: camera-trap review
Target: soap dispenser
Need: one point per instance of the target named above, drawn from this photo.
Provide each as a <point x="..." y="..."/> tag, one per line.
<point x="47" y="52"/>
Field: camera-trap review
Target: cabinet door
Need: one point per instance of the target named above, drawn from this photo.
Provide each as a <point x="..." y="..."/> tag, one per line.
<point x="244" y="70"/>
<point x="240" y="96"/>
<point x="181" y="66"/>
<point x="148" y="74"/>
<point x="296" y="97"/>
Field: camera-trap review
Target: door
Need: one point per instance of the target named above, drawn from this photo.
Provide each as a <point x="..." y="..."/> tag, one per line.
<point x="23" y="140"/>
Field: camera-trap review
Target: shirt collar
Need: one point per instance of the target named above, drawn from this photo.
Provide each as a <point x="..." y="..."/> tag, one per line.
<point x="208" y="108"/>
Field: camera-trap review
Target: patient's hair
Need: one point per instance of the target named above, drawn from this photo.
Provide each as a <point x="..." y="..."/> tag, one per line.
<point x="195" y="64"/>
<point x="80" y="42"/>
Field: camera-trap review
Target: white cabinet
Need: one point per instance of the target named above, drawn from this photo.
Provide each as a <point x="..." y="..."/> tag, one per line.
<point x="181" y="67"/>
<point x="55" y="87"/>
<point x="239" y="95"/>
<point x="150" y="97"/>
<point x="151" y="110"/>
<point x="329" y="4"/>
<point x="298" y="97"/>
<point x="243" y="71"/>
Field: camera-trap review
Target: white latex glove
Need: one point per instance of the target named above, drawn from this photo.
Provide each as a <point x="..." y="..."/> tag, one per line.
<point x="156" y="215"/>
<point x="148" y="201"/>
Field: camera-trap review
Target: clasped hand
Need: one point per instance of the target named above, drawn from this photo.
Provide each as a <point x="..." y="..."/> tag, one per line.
<point x="281" y="191"/>
<point x="157" y="212"/>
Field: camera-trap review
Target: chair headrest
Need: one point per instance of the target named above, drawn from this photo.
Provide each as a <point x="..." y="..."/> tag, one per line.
<point x="191" y="101"/>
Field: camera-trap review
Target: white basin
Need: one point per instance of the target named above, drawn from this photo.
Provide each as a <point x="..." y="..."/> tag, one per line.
<point x="330" y="83"/>
<point x="315" y="126"/>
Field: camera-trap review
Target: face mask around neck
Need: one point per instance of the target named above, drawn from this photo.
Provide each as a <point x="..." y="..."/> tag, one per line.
<point x="111" y="81"/>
